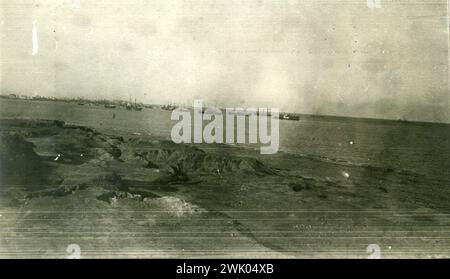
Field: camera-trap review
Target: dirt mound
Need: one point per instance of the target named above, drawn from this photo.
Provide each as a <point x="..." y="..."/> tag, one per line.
<point x="32" y="128"/>
<point x="20" y="165"/>
<point x="76" y="145"/>
<point x="79" y="147"/>
<point x="186" y="159"/>
<point x="118" y="188"/>
<point x="175" y="206"/>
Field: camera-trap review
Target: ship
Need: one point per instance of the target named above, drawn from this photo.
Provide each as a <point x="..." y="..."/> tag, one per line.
<point x="168" y="107"/>
<point x="289" y="116"/>
<point x="131" y="106"/>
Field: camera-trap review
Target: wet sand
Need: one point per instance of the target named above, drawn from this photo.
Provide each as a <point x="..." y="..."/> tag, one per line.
<point x="125" y="195"/>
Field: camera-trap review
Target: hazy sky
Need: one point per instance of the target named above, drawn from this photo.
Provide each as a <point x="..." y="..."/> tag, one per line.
<point x="310" y="56"/>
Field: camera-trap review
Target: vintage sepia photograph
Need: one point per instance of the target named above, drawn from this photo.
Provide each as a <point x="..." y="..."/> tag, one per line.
<point x="224" y="129"/>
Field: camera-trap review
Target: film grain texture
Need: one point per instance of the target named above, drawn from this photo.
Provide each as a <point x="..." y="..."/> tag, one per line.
<point x="355" y="95"/>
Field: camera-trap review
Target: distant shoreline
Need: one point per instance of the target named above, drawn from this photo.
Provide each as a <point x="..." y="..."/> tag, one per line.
<point x="120" y="103"/>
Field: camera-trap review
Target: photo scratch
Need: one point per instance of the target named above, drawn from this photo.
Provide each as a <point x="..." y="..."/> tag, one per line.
<point x="34" y="39"/>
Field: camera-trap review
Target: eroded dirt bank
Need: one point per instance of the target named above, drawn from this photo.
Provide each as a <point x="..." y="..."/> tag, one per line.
<point x="140" y="196"/>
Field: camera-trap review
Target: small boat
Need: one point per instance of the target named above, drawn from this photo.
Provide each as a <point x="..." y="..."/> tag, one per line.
<point x="131" y="106"/>
<point x="136" y="106"/>
<point x="110" y="106"/>
<point x="289" y="116"/>
<point x="168" y="107"/>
